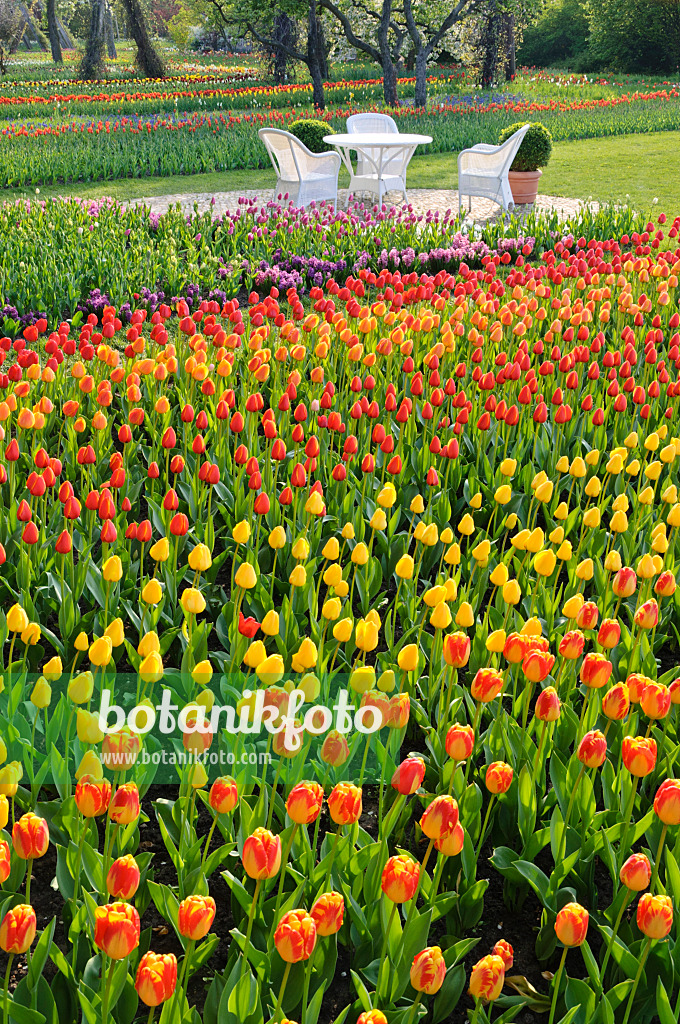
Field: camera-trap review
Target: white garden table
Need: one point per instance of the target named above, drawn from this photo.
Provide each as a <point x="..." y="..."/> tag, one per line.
<point x="382" y="159"/>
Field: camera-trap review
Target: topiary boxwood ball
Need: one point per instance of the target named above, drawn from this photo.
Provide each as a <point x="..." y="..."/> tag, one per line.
<point x="311" y="133"/>
<point x="535" y="149"/>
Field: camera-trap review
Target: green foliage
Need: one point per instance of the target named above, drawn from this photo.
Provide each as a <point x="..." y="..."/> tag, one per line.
<point x="558" y="37"/>
<point x="635" y="35"/>
<point x="311" y="134"/>
<point x="535" y="149"/>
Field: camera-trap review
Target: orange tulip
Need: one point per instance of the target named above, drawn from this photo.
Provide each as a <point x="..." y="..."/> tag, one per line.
<point x="328" y="913"/>
<point x="195" y="916"/>
<point x="487" y="978"/>
<point x="592" y="750"/>
<point x="120" y="749"/>
<point x="515" y="648"/>
<point x="156" y="978"/>
<point x="116" y="929"/>
<point x="505" y="951"/>
<point x="548" y="705"/>
<point x="451" y="843"/>
<point x="587" y="615"/>
<point x="400" y="878"/>
<point x="654" y="915"/>
<point x="625" y="582"/>
<point x="124" y="806"/>
<point x="304" y="802"/>
<point x="344" y="803"/>
<point x="261" y="854"/>
<point x="639" y="755"/>
<point x="409" y="776"/>
<point x="609" y="633"/>
<point x="486" y="685"/>
<point x="665" y="586"/>
<point x="17" y="930"/>
<point x="223" y="795"/>
<point x="537" y="665"/>
<point x="571" y="926"/>
<point x="372" y="1017"/>
<point x="456" y="649"/>
<point x="636" y="872"/>
<point x="428" y="970"/>
<point x="400" y="710"/>
<point x="460" y="741"/>
<point x="616" y="702"/>
<point x="647" y="615"/>
<point x="655" y="700"/>
<point x="92" y="796"/>
<point x="440" y="817"/>
<point x="295" y="936"/>
<point x="5" y="863"/>
<point x="571" y="644"/>
<point x="595" y="670"/>
<point x="30" y="836"/>
<point x="667" y="802"/>
<point x="498" y="777"/>
<point x="122" y="880"/>
<point x="335" y="749"/>
<point x="636" y="684"/>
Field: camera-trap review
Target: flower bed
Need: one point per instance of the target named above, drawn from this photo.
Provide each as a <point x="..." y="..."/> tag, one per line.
<point x="444" y="504"/>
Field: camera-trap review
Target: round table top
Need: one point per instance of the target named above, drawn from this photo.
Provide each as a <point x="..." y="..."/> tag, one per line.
<point x="384" y="139"/>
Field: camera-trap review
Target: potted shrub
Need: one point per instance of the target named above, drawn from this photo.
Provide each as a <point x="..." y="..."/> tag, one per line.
<point x="311" y="133"/>
<point x="533" y="154"/>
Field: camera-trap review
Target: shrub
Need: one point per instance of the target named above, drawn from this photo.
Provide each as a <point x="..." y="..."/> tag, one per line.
<point x="311" y="134"/>
<point x="535" y="149"/>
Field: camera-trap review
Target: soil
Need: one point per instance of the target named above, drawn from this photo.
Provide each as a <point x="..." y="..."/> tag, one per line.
<point x="517" y="926"/>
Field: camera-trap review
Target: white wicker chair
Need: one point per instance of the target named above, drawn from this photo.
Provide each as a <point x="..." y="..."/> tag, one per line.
<point x="378" y="171"/>
<point x="483" y="171"/>
<point x="307" y="177"/>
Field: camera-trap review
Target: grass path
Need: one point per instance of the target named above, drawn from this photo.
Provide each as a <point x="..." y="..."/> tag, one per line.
<point x="642" y="167"/>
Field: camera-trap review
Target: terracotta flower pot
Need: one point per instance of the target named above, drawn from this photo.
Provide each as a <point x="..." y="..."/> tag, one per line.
<point x="524" y="186"/>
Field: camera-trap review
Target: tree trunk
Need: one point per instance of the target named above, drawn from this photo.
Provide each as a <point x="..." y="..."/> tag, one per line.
<point x="420" y="98"/>
<point x="490" y="46"/>
<point x="150" y="64"/>
<point x="110" y="42"/>
<point x="318" y="96"/>
<point x="322" y="50"/>
<point x="389" y="69"/>
<point x="510" y="62"/>
<point x="92" y="66"/>
<point x="53" y="30"/>
<point x="283" y="33"/>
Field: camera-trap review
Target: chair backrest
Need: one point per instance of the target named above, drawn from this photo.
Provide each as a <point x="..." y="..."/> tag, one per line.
<point x="371" y="123"/>
<point x="359" y="124"/>
<point x="508" y="151"/>
<point x="278" y="145"/>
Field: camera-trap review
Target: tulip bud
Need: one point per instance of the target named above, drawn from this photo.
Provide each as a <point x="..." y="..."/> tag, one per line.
<point x="592" y="750"/>
<point x="261" y="854"/>
<point x="487" y="978"/>
<point x="295" y="936"/>
<point x="122" y="880"/>
<point x="409" y="776"/>
<point x="30" y="836"/>
<point x="571" y="926"/>
<point x="400" y="878"/>
<point x="116" y="929"/>
<point x="654" y="915"/>
<point x="636" y="872"/>
<point x="344" y="804"/>
<point x="156" y="978"/>
<point x="17" y="930"/>
<point x="195" y="916"/>
<point x="428" y="970"/>
<point x="327" y="913"/>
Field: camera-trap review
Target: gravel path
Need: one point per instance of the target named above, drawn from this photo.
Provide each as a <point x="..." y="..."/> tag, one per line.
<point x="422" y="201"/>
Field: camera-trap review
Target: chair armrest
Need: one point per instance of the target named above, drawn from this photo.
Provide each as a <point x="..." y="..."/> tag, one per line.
<point x="483" y="147"/>
<point x="331" y="160"/>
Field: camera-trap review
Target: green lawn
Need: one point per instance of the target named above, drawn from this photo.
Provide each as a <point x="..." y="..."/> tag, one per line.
<point x="642" y="167"/>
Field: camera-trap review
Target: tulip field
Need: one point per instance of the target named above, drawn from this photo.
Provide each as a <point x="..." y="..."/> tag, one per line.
<point x="339" y="623"/>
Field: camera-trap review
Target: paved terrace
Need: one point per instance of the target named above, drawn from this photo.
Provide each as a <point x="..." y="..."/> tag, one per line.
<point x="422" y="200"/>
